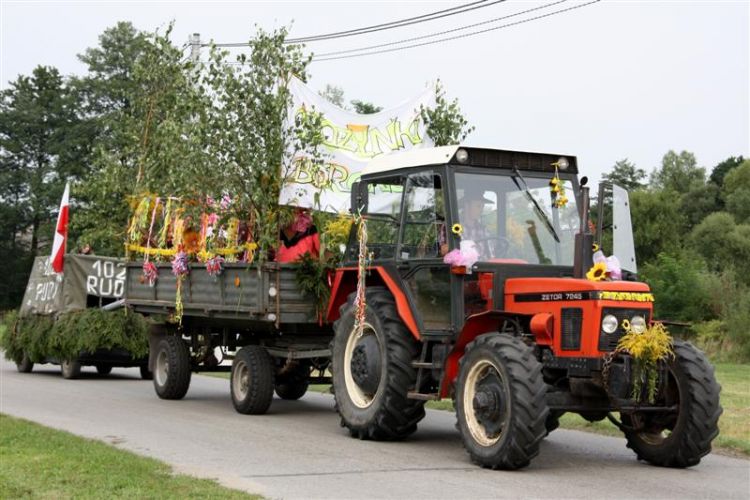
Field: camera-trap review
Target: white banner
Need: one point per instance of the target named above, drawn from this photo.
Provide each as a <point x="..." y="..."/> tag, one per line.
<point x="351" y="141"/>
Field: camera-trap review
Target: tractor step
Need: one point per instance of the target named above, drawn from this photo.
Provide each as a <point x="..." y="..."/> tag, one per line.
<point x="424" y="364"/>
<point x="422" y="396"/>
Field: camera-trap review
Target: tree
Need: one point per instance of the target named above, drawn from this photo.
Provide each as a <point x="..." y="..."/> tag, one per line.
<point x="736" y="192"/>
<point x="334" y="95"/>
<point x="723" y="244"/>
<point x="365" y="108"/>
<point x="722" y="169"/>
<point x="678" y="173"/>
<point x="626" y="175"/>
<point x="445" y="122"/>
<point x="152" y="132"/>
<point x="42" y="145"/>
<point x="657" y="223"/>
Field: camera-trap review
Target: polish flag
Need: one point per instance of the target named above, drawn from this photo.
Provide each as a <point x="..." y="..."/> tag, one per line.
<point x="61" y="233"/>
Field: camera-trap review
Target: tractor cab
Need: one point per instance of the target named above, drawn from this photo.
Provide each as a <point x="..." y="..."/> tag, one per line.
<point x="460" y="227"/>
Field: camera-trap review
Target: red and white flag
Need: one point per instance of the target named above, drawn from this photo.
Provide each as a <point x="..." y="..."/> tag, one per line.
<point x="61" y="233"/>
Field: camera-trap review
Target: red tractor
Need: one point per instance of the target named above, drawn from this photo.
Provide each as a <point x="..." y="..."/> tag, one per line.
<point x="516" y="335"/>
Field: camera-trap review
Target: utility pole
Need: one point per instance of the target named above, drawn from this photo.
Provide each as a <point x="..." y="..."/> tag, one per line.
<point x="195" y="47"/>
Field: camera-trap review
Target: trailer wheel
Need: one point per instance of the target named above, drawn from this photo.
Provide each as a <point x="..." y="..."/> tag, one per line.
<point x="172" y="369"/>
<point x="500" y="402"/>
<point x="682" y="438"/>
<point x="70" y="369"/>
<point x="146" y="374"/>
<point x="24" y="365"/>
<point x="103" y="369"/>
<point x="252" y="380"/>
<point x="372" y="374"/>
<point x="293" y="385"/>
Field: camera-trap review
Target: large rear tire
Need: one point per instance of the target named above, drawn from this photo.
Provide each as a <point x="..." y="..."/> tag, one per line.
<point x="172" y="370"/>
<point x="372" y="374"/>
<point x="252" y="380"/>
<point x="24" y="365"/>
<point x="679" y="439"/>
<point x="500" y="402"/>
<point x="71" y="369"/>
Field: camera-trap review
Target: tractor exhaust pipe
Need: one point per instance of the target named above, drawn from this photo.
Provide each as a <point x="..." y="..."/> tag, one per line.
<point x="584" y="241"/>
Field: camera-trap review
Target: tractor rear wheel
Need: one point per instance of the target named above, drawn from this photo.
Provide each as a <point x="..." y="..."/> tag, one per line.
<point x="252" y="380"/>
<point x="172" y="370"/>
<point x="679" y="438"/>
<point x="500" y="402"/>
<point x="372" y="372"/>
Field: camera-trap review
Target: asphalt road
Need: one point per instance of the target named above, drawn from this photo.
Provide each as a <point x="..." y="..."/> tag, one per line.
<point x="299" y="450"/>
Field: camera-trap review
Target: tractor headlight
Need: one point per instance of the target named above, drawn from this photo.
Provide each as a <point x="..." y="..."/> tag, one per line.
<point x="609" y="323"/>
<point x="638" y="324"/>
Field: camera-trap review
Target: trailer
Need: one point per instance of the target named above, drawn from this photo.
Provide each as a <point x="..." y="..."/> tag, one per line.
<point x="52" y="323"/>
<point x="252" y="315"/>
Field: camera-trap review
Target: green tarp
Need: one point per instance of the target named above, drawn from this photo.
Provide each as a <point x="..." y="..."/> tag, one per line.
<point x="87" y="281"/>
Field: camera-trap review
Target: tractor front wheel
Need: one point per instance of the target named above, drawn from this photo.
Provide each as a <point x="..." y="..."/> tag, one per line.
<point x="682" y="437"/>
<point x="500" y="402"/>
<point x="372" y="371"/>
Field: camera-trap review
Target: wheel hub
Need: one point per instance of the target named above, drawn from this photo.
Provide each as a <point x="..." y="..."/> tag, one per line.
<point x="488" y="403"/>
<point x="365" y="364"/>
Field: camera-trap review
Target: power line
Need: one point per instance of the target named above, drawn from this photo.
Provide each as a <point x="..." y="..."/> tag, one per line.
<point x="432" y="35"/>
<point x="457" y="37"/>
<point x="481" y="4"/>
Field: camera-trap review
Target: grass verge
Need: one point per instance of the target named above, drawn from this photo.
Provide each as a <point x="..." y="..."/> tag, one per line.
<point x="39" y="462"/>
<point x="734" y="424"/>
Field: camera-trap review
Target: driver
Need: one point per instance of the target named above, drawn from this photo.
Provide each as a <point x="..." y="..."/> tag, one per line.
<point x="470" y="214"/>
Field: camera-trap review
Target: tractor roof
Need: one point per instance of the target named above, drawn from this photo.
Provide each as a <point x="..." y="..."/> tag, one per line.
<point x="477" y="157"/>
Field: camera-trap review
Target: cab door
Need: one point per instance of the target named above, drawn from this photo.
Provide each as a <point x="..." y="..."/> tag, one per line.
<point x="423" y="241"/>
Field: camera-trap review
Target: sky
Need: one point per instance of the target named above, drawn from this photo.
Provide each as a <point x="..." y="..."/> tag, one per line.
<point x="612" y="80"/>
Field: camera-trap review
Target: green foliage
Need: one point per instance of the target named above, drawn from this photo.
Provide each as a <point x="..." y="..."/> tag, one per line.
<point x="626" y="175"/>
<point x="312" y="279"/>
<point x="657" y="223"/>
<point x="43" y="144"/>
<point x="723" y="244"/>
<point x="333" y="94"/>
<point x="365" y="108"/>
<point x="678" y="172"/>
<point x="736" y="192"/>
<point x="445" y="122"/>
<point x="722" y="169"/>
<point x="71" y="333"/>
<point x="677" y="281"/>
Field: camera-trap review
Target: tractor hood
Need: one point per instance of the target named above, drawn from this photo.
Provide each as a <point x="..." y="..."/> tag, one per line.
<point x="568" y="289"/>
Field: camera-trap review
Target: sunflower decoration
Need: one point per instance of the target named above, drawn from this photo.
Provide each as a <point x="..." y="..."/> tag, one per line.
<point x="457" y="229"/>
<point x="557" y="189"/>
<point x="598" y="272"/>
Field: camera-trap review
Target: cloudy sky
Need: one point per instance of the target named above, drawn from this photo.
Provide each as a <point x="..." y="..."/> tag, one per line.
<point x="612" y="80"/>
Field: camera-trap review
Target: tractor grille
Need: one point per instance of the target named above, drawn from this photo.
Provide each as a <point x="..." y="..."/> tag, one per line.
<point x="608" y="341"/>
<point x="572" y="320"/>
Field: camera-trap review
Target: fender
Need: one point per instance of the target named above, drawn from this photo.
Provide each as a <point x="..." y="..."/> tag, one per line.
<point x="475" y="325"/>
<point x="345" y="282"/>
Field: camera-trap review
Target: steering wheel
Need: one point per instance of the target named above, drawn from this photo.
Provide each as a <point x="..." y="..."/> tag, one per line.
<point x="502" y="246"/>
